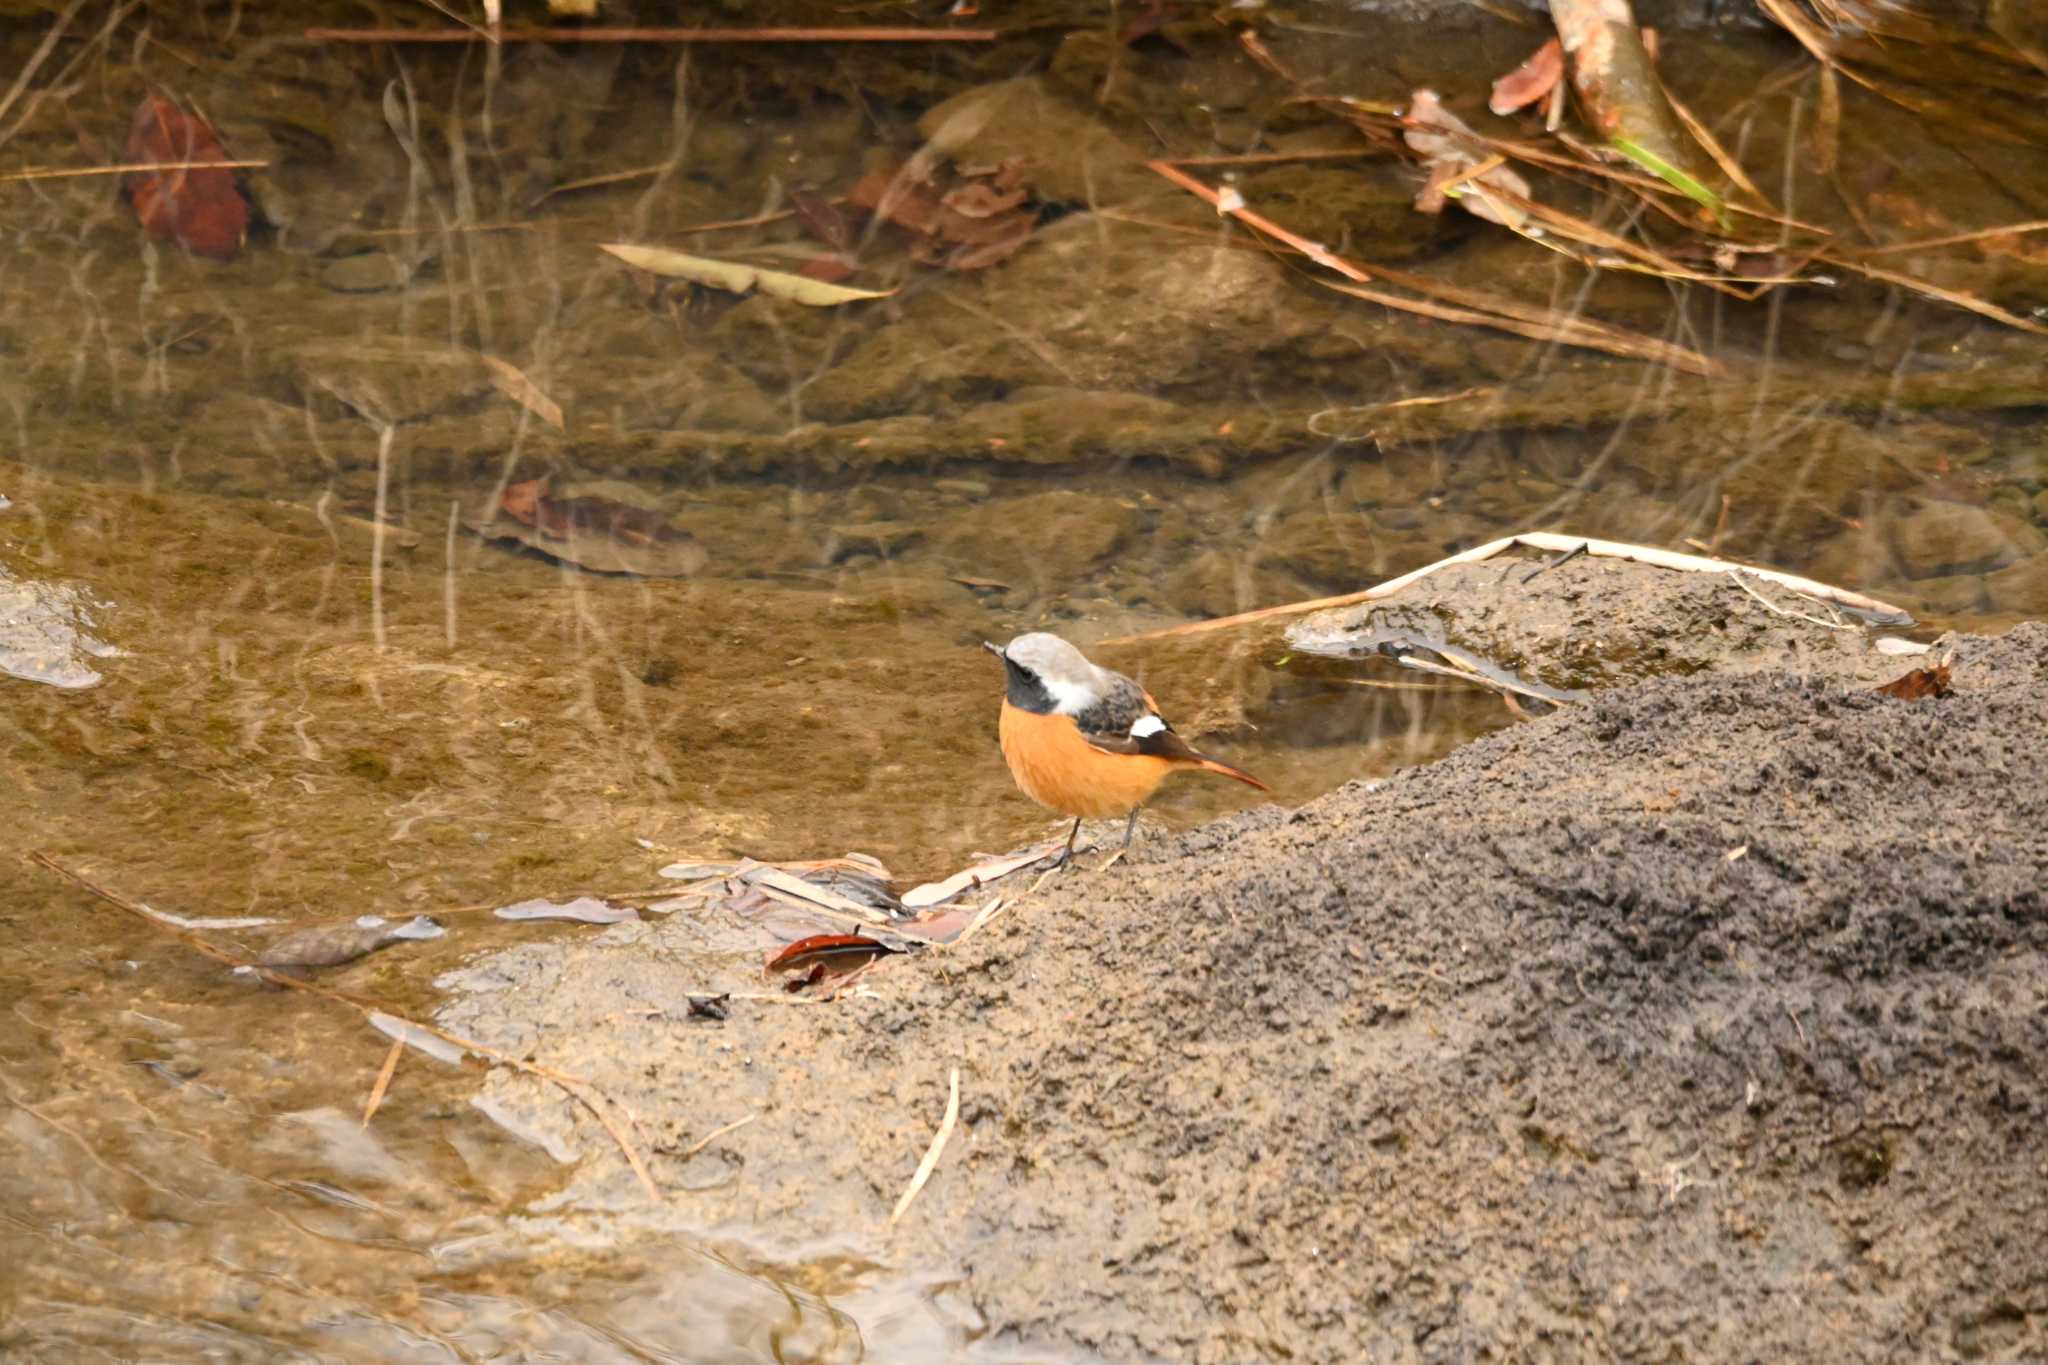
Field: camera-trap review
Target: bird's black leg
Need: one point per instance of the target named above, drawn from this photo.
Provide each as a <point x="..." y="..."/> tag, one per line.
<point x="1067" y="854"/>
<point x="1130" y="828"/>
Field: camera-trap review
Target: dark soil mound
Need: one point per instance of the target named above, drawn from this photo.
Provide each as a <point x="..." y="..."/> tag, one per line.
<point x="1703" y="1021"/>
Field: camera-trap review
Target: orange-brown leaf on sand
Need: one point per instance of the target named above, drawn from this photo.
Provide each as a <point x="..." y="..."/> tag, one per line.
<point x="838" y="952"/>
<point x="1530" y="81"/>
<point x="197" y="207"/>
<point x="1921" y="684"/>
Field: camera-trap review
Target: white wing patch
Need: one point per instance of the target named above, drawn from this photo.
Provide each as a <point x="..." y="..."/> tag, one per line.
<point x="1148" y="724"/>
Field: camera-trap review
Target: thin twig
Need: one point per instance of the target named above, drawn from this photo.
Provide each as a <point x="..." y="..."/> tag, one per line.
<point x="69" y="172"/>
<point x="656" y="35"/>
<point x="1787" y="611"/>
<point x="931" y="1154"/>
<point x="384" y="1074"/>
<point x="716" y="1133"/>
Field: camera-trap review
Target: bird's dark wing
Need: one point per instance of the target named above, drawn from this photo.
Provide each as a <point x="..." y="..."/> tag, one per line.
<point x="1127" y="721"/>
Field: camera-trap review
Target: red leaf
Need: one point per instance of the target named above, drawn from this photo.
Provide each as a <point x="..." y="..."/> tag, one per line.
<point x="842" y="951"/>
<point x="198" y="208"/>
<point x="822" y="218"/>
<point x="1529" y="82"/>
<point x="830" y="269"/>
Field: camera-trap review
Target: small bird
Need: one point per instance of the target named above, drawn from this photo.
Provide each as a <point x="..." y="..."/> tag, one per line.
<point x="1085" y="741"/>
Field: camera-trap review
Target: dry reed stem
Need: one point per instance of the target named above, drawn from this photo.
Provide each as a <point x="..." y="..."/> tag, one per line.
<point x="1540" y="540"/>
<point x="931" y="1155"/>
<point x="384" y="1075"/>
<point x="716" y="1133"/>
<point x="654" y="35"/>
<point x="1473" y="307"/>
<point x="69" y="172"/>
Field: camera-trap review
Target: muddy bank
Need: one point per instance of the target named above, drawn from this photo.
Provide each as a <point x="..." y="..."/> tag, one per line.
<point x="1703" y="1020"/>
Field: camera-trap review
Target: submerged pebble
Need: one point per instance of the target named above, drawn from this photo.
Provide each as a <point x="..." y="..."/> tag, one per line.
<point x="45" y="632"/>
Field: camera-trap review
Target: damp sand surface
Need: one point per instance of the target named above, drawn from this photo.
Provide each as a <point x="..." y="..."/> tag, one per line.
<point x="1704" y="1017"/>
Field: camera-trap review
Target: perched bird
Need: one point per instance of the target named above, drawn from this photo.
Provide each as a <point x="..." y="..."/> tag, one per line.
<point x="1085" y="741"/>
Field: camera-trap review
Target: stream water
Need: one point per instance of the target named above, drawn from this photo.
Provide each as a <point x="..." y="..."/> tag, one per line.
<point x="1138" y="420"/>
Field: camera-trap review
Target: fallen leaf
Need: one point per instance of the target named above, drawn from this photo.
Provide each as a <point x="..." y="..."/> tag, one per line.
<point x="822" y="218"/>
<point x="604" y="526"/>
<point x="830" y="269"/>
<point x="841" y="952"/>
<point x="737" y="278"/>
<point x="198" y="208"/>
<point x="1454" y="157"/>
<point x="708" y="1006"/>
<point x="979" y="199"/>
<point x="582" y="910"/>
<point x="1921" y="684"/>
<point x="513" y="383"/>
<point x="981" y="874"/>
<point x="1529" y="82"/>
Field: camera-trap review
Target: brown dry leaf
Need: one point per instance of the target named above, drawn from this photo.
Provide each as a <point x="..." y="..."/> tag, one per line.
<point x="822" y="218"/>
<point x="980" y="217"/>
<point x="604" y="526"/>
<point x="1458" y="165"/>
<point x="1921" y="684"/>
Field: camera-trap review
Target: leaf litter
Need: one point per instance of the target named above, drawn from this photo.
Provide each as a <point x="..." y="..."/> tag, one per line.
<point x="605" y="526"/>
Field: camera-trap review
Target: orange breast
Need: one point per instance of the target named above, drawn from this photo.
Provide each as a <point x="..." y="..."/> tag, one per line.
<point x="1058" y="768"/>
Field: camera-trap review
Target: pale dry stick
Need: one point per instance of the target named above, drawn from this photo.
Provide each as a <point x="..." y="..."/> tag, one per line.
<point x="1955" y="238"/>
<point x="448" y="595"/>
<point x="701" y="1143"/>
<point x="69" y="172"/>
<point x="1955" y="296"/>
<point x="1017" y="334"/>
<point x="931" y="1155"/>
<point x="1540" y="540"/>
<point x="384" y="1074"/>
<point x="1479" y="309"/>
<point x="1787" y="611"/>
<point x="575" y="1086"/>
<point x="654" y="35"/>
<point x="377" y="533"/>
<point x="979" y="922"/>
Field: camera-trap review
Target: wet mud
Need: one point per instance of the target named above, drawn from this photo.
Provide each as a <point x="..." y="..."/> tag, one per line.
<point x="1701" y="1020"/>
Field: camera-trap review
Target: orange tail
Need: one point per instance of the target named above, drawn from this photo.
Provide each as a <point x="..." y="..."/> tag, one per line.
<point x="1217" y="765"/>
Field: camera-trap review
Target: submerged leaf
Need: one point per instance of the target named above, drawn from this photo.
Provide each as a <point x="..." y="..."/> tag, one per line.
<point x="198" y="207"/>
<point x="738" y="278"/>
<point x="1531" y="81"/>
<point x="604" y="526"/>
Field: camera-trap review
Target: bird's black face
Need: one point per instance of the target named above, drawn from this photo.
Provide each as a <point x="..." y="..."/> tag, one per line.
<point x="1022" y="686"/>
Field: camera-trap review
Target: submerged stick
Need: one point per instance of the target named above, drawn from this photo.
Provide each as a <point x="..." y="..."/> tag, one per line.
<point x="654" y="35"/>
<point x="931" y="1154"/>
<point x="577" y="1088"/>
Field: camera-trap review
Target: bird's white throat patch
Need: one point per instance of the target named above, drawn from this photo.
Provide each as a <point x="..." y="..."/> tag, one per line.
<point x="1069" y="698"/>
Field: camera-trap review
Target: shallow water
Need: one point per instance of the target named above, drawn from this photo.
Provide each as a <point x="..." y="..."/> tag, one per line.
<point x="1114" y="432"/>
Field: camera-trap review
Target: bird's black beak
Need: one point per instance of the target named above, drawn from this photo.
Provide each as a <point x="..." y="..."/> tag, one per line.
<point x="996" y="650"/>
